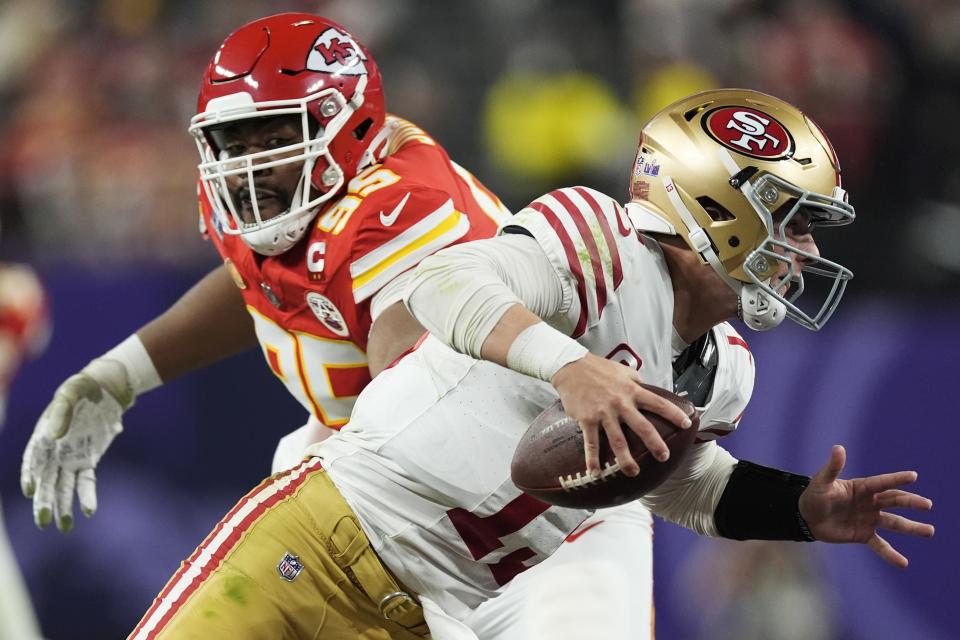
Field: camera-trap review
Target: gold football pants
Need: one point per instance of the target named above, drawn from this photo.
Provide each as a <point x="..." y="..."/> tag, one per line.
<point x="288" y="561"/>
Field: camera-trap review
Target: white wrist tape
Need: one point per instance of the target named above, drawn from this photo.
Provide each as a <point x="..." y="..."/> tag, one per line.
<point x="540" y="351"/>
<point x="141" y="373"/>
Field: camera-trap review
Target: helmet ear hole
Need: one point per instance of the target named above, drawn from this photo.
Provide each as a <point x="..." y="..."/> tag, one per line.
<point x="716" y="211"/>
<point x="360" y="131"/>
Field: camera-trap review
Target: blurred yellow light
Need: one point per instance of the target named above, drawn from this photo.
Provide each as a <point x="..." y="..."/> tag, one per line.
<point x="130" y="18"/>
<point x="541" y="127"/>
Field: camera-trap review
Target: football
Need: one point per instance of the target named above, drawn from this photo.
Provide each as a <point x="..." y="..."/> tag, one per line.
<point x="548" y="463"/>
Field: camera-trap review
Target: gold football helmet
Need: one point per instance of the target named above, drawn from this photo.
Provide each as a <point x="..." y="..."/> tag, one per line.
<point x="728" y="170"/>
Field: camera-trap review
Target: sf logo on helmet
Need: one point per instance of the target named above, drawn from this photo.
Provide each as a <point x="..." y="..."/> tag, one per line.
<point x="750" y="132"/>
<point x="336" y="52"/>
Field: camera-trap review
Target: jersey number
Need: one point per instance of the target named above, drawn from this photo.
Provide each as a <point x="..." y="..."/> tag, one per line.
<point x="482" y="535"/>
<point x="366" y="182"/>
<point x="325" y="375"/>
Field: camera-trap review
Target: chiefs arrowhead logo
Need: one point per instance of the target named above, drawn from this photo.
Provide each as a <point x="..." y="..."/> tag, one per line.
<point x="750" y="132"/>
<point x="338" y="53"/>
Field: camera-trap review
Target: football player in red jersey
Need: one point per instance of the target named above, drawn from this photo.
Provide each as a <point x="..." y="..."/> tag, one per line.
<point x="24" y="332"/>
<point x="319" y="203"/>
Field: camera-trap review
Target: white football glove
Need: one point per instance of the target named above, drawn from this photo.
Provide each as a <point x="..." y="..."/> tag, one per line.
<point x="70" y="438"/>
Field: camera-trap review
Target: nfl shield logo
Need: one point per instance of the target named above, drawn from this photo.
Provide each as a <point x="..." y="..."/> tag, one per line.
<point x="289" y="567"/>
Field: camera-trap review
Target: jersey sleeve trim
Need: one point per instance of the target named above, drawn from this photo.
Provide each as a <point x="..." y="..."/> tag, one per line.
<point x="616" y="265"/>
<point x="405" y="132"/>
<point x="737" y="341"/>
<point x="579" y="222"/>
<point x="444" y="226"/>
<point x="572" y="262"/>
<point x="489" y="204"/>
<point x="600" y="285"/>
<point x="715" y="432"/>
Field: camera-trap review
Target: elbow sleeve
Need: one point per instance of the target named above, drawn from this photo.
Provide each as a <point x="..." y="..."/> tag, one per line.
<point x="689" y="497"/>
<point x="459" y="294"/>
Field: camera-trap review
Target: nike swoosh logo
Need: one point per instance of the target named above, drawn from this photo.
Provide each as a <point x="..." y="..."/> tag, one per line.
<point x="389" y="219"/>
<point x="576" y="534"/>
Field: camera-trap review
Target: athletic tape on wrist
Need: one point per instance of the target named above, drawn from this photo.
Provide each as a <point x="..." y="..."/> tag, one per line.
<point x="540" y="351"/>
<point x="133" y="356"/>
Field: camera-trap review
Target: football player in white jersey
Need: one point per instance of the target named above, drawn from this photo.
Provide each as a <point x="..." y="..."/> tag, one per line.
<point x="727" y="187"/>
<point x="578" y="298"/>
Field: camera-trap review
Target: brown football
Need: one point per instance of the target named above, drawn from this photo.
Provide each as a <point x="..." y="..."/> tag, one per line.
<point x="549" y="465"/>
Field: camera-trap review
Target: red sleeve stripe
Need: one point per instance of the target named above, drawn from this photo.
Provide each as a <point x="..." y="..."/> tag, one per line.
<point x="577" y="216"/>
<point x="572" y="260"/>
<point x="416" y="345"/>
<point x="218" y="545"/>
<point x="737" y="341"/>
<point x="713" y="434"/>
<point x="718" y="432"/>
<point x="607" y="235"/>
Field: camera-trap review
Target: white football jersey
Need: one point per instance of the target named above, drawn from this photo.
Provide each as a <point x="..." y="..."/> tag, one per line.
<point x="425" y="459"/>
<point x="732" y="384"/>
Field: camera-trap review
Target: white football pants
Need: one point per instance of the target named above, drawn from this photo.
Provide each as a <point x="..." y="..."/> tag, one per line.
<point x="598" y="584"/>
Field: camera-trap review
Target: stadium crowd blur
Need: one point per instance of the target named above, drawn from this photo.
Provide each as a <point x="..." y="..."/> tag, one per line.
<point x="98" y="177"/>
<point x="530" y="94"/>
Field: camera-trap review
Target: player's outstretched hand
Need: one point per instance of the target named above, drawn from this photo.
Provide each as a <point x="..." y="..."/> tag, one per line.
<point x="70" y="438"/>
<point x="601" y="394"/>
<point x="853" y="510"/>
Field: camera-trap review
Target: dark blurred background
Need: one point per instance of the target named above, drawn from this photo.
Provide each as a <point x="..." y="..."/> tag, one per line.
<point x="97" y="191"/>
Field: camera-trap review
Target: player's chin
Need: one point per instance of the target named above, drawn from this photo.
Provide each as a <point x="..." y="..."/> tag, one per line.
<point x="269" y="208"/>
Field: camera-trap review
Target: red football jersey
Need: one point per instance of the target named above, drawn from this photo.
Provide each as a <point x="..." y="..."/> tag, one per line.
<point x="24" y="318"/>
<point x="311" y="304"/>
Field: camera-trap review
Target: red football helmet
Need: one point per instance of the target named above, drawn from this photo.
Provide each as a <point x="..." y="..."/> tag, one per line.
<point x="292" y="64"/>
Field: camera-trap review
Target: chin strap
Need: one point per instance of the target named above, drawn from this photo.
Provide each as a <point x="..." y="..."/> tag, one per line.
<point x="758" y="310"/>
<point x="278" y="238"/>
<point x="379" y="145"/>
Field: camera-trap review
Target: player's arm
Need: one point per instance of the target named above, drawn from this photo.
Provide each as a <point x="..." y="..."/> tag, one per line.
<point x="394" y="332"/>
<point x="422" y="220"/>
<point x="714" y="494"/>
<point x="497" y="299"/>
<point x="207" y="324"/>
